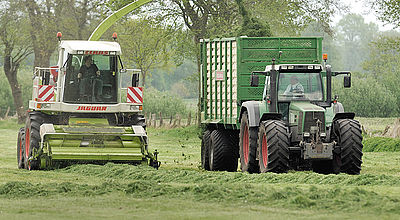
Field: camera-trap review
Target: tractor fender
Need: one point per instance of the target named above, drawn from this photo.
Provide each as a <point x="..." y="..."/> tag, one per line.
<point x="344" y="115"/>
<point x="271" y="116"/>
<point x="253" y="111"/>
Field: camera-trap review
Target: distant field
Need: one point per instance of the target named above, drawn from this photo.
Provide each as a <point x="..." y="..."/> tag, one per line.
<point x="180" y="190"/>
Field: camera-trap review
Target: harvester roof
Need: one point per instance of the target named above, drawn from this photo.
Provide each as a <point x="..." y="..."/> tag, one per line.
<point x="90" y="47"/>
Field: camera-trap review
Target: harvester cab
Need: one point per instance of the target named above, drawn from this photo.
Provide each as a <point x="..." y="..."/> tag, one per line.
<point x="320" y="134"/>
<point x="88" y="108"/>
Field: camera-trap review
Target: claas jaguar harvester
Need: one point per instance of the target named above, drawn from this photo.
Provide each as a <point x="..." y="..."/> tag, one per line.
<point x="268" y="101"/>
<point x="80" y="117"/>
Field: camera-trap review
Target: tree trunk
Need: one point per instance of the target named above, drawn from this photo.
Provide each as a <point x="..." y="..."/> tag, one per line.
<point x="42" y="57"/>
<point x="10" y="70"/>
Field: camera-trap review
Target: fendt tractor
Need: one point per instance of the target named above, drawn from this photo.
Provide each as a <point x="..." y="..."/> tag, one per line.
<point x="268" y="101"/>
<point x="88" y="108"/>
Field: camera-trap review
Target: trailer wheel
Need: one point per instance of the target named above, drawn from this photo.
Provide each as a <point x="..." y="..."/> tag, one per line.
<point x="223" y="156"/>
<point x="248" y="146"/>
<point x="20" y="148"/>
<point x="348" y="132"/>
<point x="205" y="147"/>
<point x="273" y="140"/>
<point x="32" y="139"/>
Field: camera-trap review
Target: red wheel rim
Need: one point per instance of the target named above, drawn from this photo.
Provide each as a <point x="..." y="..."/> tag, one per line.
<point x="264" y="150"/>
<point x="246" y="144"/>
<point x="27" y="144"/>
<point x="20" y="150"/>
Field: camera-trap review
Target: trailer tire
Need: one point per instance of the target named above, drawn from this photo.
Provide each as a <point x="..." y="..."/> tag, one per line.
<point x="273" y="142"/>
<point x="20" y="148"/>
<point x="32" y="138"/>
<point x="349" y="134"/>
<point x="223" y="156"/>
<point x="248" y="146"/>
<point x="205" y="148"/>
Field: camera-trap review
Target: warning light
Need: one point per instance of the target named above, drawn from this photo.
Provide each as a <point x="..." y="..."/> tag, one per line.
<point x="59" y="35"/>
<point x="140" y="107"/>
<point x="325" y="56"/>
<point x="114" y="35"/>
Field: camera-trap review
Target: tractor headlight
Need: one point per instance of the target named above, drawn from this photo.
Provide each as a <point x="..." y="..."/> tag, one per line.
<point x="306" y="134"/>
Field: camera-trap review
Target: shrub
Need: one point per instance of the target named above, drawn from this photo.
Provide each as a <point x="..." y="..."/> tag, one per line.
<point x="155" y="101"/>
<point x="381" y="144"/>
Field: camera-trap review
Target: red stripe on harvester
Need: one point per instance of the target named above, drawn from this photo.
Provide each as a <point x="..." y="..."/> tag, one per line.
<point x="130" y="99"/>
<point x="137" y="95"/>
<point x="45" y="91"/>
<point x="49" y="97"/>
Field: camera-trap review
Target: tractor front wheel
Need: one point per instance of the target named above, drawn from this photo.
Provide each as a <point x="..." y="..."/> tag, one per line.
<point x="273" y="142"/>
<point x="348" y="132"/>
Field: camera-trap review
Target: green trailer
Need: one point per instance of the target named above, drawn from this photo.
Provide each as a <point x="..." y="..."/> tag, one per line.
<point x="268" y="101"/>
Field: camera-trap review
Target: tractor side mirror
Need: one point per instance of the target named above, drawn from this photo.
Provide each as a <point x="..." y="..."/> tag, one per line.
<point x="347" y="81"/>
<point x="254" y="80"/>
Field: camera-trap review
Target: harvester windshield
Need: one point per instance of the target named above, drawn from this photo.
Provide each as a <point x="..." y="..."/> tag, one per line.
<point x="300" y="86"/>
<point x="91" y="79"/>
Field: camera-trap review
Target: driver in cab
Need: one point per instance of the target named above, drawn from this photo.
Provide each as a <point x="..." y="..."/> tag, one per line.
<point x="88" y="72"/>
<point x="294" y="86"/>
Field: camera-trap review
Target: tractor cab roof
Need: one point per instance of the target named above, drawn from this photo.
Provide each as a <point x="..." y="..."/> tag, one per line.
<point x="296" y="68"/>
<point x="91" y="47"/>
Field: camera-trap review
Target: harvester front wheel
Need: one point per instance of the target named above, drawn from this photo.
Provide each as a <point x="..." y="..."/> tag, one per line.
<point x="248" y="145"/>
<point x="205" y="148"/>
<point x="348" y="132"/>
<point x="223" y="155"/>
<point x="32" y="139"/>
<point x="20" y="148"/>
<point x="273" y="142"/>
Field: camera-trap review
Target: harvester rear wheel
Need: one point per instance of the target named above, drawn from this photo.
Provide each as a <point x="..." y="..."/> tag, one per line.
<point x="248" y="146"/>
<point x="273" y="142"/>
<point x="348" y="132"/>
<point x="32" y="139"/>
<point x="205" y="148"/>
<point x="20" y="148"/>
<point x="223" y="155"/>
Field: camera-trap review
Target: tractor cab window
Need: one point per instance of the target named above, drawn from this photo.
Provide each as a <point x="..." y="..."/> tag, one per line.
<point x="300" y="86"/>
<point x="91" y="79"/>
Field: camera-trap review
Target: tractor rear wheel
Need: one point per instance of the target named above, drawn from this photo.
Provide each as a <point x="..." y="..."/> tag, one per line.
<point x="273" y="142"/>
<point x="20" y="148"/>
<point x="205" y="148"/>
<point x="32" y="139"/>
<point x="348" y="132"/>
<point x="248" y="146"/>
<point x="223" y="155"/>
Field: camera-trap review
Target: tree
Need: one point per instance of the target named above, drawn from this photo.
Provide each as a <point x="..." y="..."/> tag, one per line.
<point x="47" y="17"/>
<point x="353" y="37"/>
<point x="388" y="11"/>
<point x="251" y="26"/>
<point x="15" y="49"/>
<point x="147" y="42"/>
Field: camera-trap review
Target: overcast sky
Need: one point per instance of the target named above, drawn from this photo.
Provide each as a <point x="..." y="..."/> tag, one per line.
<point x="360" y="7"/>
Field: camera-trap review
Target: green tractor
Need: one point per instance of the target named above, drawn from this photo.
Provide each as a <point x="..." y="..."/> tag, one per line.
<point x="268" y="101"/>
<point x="297" y="128"/>
<point x="87" y="109"/>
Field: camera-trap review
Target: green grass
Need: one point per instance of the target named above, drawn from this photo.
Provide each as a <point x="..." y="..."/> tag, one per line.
<point x="180" y="190"/>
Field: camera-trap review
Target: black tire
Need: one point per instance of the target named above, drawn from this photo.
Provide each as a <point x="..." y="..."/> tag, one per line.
<point x="32" y="138"/>
<point x="21" y="148"/>
<point x="223" y="155"/>
<point x="248" y="146"/>
<point x="205" y="148"/>
<point x="273" y="142"/>
<point x="349" y="136"/>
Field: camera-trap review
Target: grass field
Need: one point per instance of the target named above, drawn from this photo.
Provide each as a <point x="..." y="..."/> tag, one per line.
<point x="180" y="190"/>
